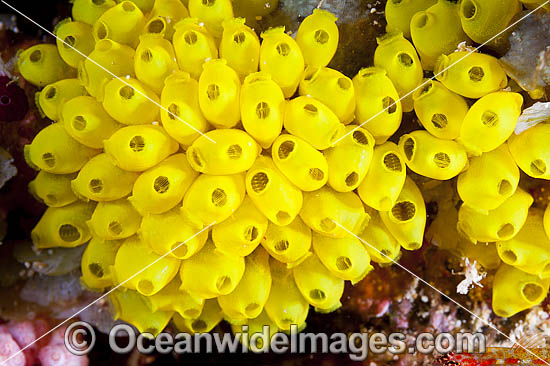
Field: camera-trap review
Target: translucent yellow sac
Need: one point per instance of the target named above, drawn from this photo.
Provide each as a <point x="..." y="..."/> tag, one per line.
<point x="53" y="189"/>
<point x="318" y="285"/>
<point x="163" y="186"/>
<point x="54" y="151"/>
<point x="242" y="232"/>
<point x="502" y="223"/>
<point x="290" y="243"/>
<point x="155" y="60"/>
<point x="440" y="111"/>
<point x="437" y="31"/>
<point x="490" y="179"/>
<point x="398" y="56"/>
<point x="385" y="178"/>
<point x="210" y="316"/>
<point x="317" y="37"/>
<point x="285" y="305"/>
<point x="71" y="35"/>
<point x="122" y="23"/>
<point x="172" y="233"/>
<point x="312" y="121"/>
<point x="515" y="291"/>
<point x="406" y="220"/>
<point x="163" y="17"/>
<point x="326" y="211"/>
<point x="471" y="75"/>
<point x="211" y="272"/>
<point x="281" y="56"/>
<point x="88" y="11"/>
<point x="138" y="148"/>
<point x="532" y="4"/>
<point x="529" y="250"/>
<point x="213" y="198"/>
<point x="399" y="14"/>
<point x="345" y="257"/>
<point x="432" y="157"/>
<point x="255" y="340"/>
<point x="41" y="65"/>
<point x="240" y="46"/>
<point x="212" y="13"/>
<point x="131" y="103"/>
<point x="180" y="114"/>
<point x="172" y="298"/>
<point x="350" y="159"/>
<point x="331" y="88"/>
<point x="115" y="220"/>
<point x="531" y="151"/>
<point x="63" y="226"/>
<point x="193" y="45"/>
<point x="97" y="260"/>
<point x="87" y="122"/>
<point x="491" y="121"/>
<point x="262" y="108"/>
<point x="52" y="98"/>
<point x="109" y="59"/>
<point x="132" y="307"/>
<point x="101" y="180"/>
<point x="249" y="297"/>
<point x="272" y="193"/>
<point x="379" y="242"/>
<point x="378" y="108"/>
<point x="483" y="253"/>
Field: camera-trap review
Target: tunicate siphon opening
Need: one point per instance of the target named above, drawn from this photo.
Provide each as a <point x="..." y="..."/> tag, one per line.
<point x="234" y="151"/>
<point x="190" y="37"/>
<point x="5" y="100"/>
<point x="69" y="42"/>
<point x="239" y="37"/>
<point x="223" y="284"/>
<point x="51" y="199"/>
<point x="285" y="149"/>
<point x="128" y="6"/>
<point x="219" y="197"/>
<point x="469" y="9"/>
<point x="442" y="160"/>
<point x="405" y="59"/>
<point x="191" y="313"/>
<point x="145" y="287"/>
<point x="310" y="108"/>
<point x="50" y="92"/>
<point x="352" y="179"/>
<point x="505" y="231"/>
<point x="283" y="49"/>
<point x="316" y="174"/>
<point x="317" y="294"/>
<point x="403" y="211"/>
<point x="489" y="119"/>
<point x="79" y="123"/>
<point x="96" y="269"/>
<point x="504" y="187"/>
<point x="208" y="2"/>
<point x="283" y="218"/>
<point x="96" y="185"/>
<point x="321" y="36"/>
<point x="259" y="182"/>
<point x="48" y="159"/>
<point x="311" y="73"/>
<point x="156" y="26"/>
<point x="532" y="291"/>
<point x="137" y="143"/>
<point x="409" y="147"/>
<point x="251" y="309"/>
<point x="161" y="184"/>
<point x="281" y="245"/>
<point x="179" y="250"/>
<point x="126" y="92"/>
<point x="421" y="19"/>
<point x="197" y="158"/>
<point x="262" y="110"/>
<point x="251" y="233"/>
<point x="115" y="228"/>
<point x="344" y="83"/>
<point x="538" y="167"/>
<point x="101" y="30"/>
<point x="147" y="56"/>
<point x="439" y="121"/>
<point x="546" y="270"/>
<point x="509" y="256"/>
<point x="343" y="263"/>
<point x="476" y="74"/>
<point x="389" y="105"/>
<point x="360" y="138"/>
<point x="213" y="91"/>
<point x="69" y="233"/>
<point x="173" y="111"/>
<point x="424" y="89"/>
<point x="392" y="162"/>
<point x="327" y="224"/>
<point x="98" y="2"/>
<point x="385" y="253"/>
<point x="35" y="56"/>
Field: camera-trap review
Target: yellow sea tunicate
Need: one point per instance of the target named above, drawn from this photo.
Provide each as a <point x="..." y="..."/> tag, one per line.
<point x="163" y="186"/>
<point x="193" y="45"/>
<point x="400" y="12"/>
<point x="97" y="260"/>
<point x="211" y="273"/>
<point x="281" y="56"/>
<point x="131" y="103"/>
<point x="398" y="57"/>
<point x="272" y="193"/>
<point x="317" y="37"/>
<point x="345" y="258"/>
<point x="173" y="298"/>
<point x="219" y="92"/>
<point x="53" y="189"/>
<point x="500" y="224"/>
<point x="164" y="15"/>
<point x="483" y="253"/>
<point x="471" y="75"/>
<point x="138" y="148"/>
<point x="212" y="13"/>
<point x="71" y="36"/>
<point x="379" y="242"/>
<point x="144" y="5"/>
<point x="385" y="178"/>
<point x="437" y="31"/>
<point x="406" y="220"/>
<point x="531" y="151"/>
<point x="378" y="108"/>
<point x="490" y="179"/>
<point x="155" y="60"/>
<point x="490" y="121"/>
<point x="122" y="23"/>
<point x="63" y="226"/>
<point x="331" y="88"/>
<point x="52" y="98"/>
<point x="101" y="180"/>
<point x="54" y="151"/>
<point x="311" y="120"/>
<point x="249" y="297"/>
<point x="41" y="65"/>
<point x="114" y="220"/>
<point x="262" y="108"/>
<point x="440" y="111"/>
<point x="173" y="234"/>
<point x="290" y="243"/>
<point x="181" y="115"/>
<point x="88" y="11"/>
<point x="210" y="316"/>
<point x="240" y="46"/>
<point x="333" y="213"/>
<point x="515" y="291"/>
<point x="242" y="232"/>
<point x="302" y="164"/>
<point x="318" y="285"/>
<point x="87" y="122"/>
<point x="213" y="198"/>
<point x="432" y="157"/>
<point x="256" y="341"/>
<point x="350" y="159"/>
